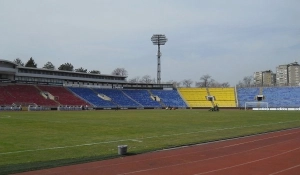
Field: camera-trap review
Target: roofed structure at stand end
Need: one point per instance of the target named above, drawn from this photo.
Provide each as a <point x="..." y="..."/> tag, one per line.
<point x="11" y="72"/>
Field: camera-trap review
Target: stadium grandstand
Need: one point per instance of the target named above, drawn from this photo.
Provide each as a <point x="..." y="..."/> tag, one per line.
<point x="43" y="89"/>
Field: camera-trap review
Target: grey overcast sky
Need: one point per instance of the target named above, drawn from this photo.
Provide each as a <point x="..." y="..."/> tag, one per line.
<point x="227" y="39"/>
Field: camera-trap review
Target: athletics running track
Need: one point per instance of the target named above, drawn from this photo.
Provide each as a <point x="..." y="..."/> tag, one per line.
<point x="276" y="153"/>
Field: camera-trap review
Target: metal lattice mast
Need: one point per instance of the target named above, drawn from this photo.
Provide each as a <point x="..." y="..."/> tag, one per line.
<point x="158" y="39"/>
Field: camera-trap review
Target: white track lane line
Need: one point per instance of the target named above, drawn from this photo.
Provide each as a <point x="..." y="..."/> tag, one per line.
<point x="165" y="157"/>
<point x="249" y="162"/>
<point x="150" y="169"/>
<point x="285" y="170"/>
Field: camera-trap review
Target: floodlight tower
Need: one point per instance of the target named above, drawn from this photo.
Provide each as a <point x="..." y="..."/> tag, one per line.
<point x="158" y="39"/>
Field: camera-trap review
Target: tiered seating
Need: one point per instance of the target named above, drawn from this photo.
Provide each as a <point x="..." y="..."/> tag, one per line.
<point x="91" y="96"/>
<point x="282" y="96"/>
<point x="224" y="97"/>
<point x="24" y="94"/>
<point x="169" y="98"/>
<point x="247" y="95"/>
<point x="142" y="97"/>
<point x="6" y="98"/>
<point x="65" y="97"/>
<point x="118" y="97"/>
<point x="195" y="97"/>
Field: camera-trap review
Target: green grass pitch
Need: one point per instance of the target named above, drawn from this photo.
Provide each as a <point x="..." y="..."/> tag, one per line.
<point x="35" y="140"/>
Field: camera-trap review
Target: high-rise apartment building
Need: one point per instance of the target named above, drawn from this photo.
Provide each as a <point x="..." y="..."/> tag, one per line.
<point x="288" y="75"/>
<point x="282" y="75"/>
<point x="264" y="78"/>
<point x="257" y="78"/>
<point x="294" y="74"/>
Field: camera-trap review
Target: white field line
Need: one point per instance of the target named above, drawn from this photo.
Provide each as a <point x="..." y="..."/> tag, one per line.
<point x="134" y="140"/>
<point x="197" y="152"/>
<point x="139" y="139"/>
<point x="221" y="129"/>
<point x="63" y="147"/>
<point x="5" y="116"/>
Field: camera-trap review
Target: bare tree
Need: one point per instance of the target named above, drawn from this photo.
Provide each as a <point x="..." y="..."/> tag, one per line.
<point x="19" y="62"/>
<point x="214" y="83"/>
<point x="134" y="80"/>
<point x="187" y="82"/>
<point x="246" y="82"/>
<point x="207" y="81"/>
<point x="153" y="80"/>
<point x="120" y="71"/>
<point x="49" y="65"/>
<point x="147" y="79"/>
<point x="225" y="85"/>
<point x="198" y="84"/>
<point x="175" y="83"/>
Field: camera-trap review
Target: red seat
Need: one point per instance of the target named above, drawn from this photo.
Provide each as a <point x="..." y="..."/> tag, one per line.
<point x="23" y="94"/>
<point x="65" y="97"/>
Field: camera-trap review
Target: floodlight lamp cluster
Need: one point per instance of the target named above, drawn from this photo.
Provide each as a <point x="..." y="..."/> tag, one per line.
<point x="159" y="39"/>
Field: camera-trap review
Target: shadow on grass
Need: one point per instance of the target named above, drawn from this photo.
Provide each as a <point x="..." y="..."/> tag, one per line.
<point x="32" y="166"/>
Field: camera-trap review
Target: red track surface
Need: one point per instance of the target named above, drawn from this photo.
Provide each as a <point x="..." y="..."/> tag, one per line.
<point x="275" y="153"/>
